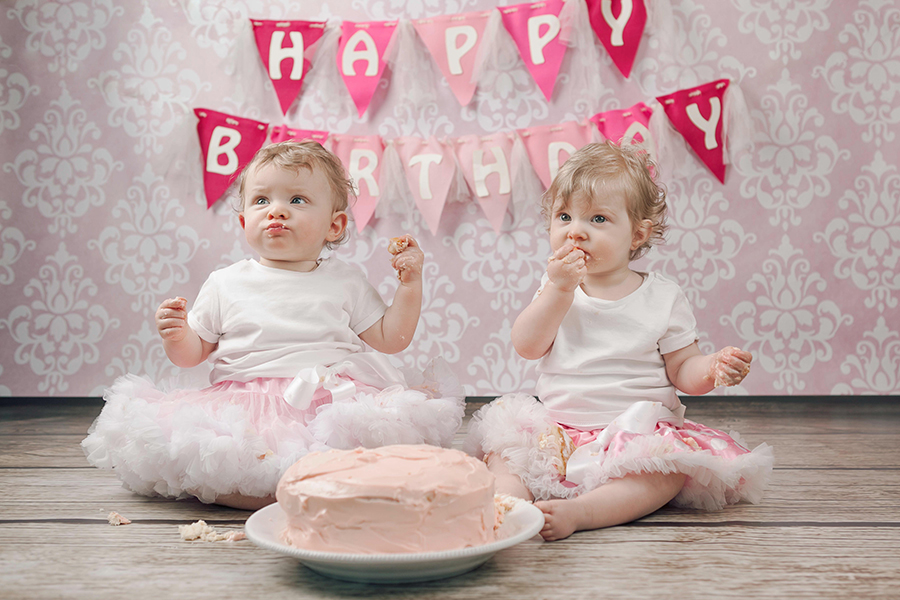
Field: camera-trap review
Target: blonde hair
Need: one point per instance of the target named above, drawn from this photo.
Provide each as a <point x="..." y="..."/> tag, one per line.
<point x="309" y="155"/>
<point x="603" y="167"/>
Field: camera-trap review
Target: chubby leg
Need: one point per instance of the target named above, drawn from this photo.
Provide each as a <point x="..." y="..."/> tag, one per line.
<point x="613" y="503"/>
<point x="244" y="502"/>
<point x="506" y="482"/>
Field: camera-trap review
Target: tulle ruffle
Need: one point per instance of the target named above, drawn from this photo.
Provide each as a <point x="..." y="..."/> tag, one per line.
<point x="720" y="469"/>
<point x="239" y="438"/>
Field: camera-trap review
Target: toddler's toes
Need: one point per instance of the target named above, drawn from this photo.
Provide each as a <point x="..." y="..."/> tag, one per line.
<point x="558" y="522"/>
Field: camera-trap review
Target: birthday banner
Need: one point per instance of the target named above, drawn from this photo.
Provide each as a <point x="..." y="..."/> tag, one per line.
<point x="486" y="162"/>
<point x="424" y="170"/>
<point x="458" y="44"/>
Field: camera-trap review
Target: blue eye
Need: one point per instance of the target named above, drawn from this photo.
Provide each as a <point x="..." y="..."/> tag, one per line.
<point x="298" y="200"/>
<point x="564" y="217"/>
<point x="598" y="219"/>
<point x="261" y="201"/>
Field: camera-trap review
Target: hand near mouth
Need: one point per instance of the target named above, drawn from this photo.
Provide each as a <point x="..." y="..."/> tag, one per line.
<point x="566" y="267"/>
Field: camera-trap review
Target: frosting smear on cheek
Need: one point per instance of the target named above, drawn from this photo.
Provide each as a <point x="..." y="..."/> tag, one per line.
<point x="394" y="499"/>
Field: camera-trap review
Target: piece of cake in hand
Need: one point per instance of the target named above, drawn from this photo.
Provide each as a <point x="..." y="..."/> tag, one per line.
<point x="397" y="245"/>
<point x="394" y="499"/>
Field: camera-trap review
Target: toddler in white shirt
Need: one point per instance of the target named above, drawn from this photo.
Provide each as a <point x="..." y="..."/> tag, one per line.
<point x="608" y="442"/>
<point x="287" y="337"/>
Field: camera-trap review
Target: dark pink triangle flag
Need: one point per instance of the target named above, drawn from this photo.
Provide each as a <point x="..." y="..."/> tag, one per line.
<point x="535" y="28"/>
<point x="227" y="144"/>
<point x="697" y="113"/>
<point x="361" y="58"/>
<point x="284" y="47"/>
<point x="453" y="41"/>
<point x="619" y="24"/>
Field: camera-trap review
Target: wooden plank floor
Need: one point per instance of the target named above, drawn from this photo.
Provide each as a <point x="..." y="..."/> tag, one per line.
<point x="828" y="528"/>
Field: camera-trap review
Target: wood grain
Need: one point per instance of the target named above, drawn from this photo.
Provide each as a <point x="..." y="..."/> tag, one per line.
<point x="829" y="526"/>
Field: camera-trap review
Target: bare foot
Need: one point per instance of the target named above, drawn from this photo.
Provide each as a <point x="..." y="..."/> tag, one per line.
<point x="613" y="503"/>
<point x="561" y="518"/>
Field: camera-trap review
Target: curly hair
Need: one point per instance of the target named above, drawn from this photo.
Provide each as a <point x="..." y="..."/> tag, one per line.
<point x="305" y="155"/>
<point x="603" y="167"/>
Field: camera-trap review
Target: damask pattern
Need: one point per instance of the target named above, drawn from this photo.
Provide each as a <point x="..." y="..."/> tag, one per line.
<point x="102" y="215"/>
<point x="147" y="251"/>
<point x="14" y="91"/>
<point x="64" y="176"/>
<point x="65" y="34"/>
<point x="58" y="332"/>
<point x="149" y="74"/>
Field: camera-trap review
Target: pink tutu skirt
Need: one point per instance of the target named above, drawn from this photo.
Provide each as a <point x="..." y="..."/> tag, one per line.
<point x="720" y="468"/>
<point x="238" y="438"/>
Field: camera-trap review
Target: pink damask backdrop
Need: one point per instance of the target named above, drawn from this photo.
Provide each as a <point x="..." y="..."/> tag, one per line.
<point x="102" y="213"/>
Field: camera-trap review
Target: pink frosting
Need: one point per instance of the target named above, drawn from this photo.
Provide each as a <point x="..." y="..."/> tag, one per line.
<point x="387" y="500"/>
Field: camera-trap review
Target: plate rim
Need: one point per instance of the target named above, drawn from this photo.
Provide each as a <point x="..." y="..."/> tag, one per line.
<point x="536" y="522"/>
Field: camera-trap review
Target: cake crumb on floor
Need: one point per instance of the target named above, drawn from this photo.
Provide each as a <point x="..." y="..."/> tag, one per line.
<point x="115" y="518"/>
<point x="201" y="531"/>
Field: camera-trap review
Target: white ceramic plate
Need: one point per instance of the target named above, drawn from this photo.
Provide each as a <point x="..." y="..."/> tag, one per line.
<point x="264" y="528"/>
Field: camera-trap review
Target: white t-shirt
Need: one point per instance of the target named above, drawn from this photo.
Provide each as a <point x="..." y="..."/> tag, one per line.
<point x="273" y="322"/>
<point x="608" y="354"/>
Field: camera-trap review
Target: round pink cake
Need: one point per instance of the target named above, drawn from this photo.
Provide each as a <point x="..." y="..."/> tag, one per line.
<point x="387" y="500"/>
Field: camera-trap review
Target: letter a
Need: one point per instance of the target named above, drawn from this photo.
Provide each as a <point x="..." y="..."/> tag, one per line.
<point x="369" y="54"/>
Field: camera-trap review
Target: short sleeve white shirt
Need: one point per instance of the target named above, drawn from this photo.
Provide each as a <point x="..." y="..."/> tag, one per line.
<point x="608" y="354"/>
<point x="273" y="322"/>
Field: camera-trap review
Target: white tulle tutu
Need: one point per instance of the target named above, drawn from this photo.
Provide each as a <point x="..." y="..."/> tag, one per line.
<point x="720" y="469"/>
<point x="238" y="438"/>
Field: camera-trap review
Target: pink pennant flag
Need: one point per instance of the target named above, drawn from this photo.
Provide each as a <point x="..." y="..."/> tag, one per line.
<point x="619" y="24"/>
<point x="227" y="144"/>
<point x="361" y="155"/>
<point x="697" y="113"/>
<point x="284" y="47"/>
<point x="550" y="146"/>
<point x="535" y="28"/>
<point x="283" y="133"/>
<point x="453" y="41"/>
<point x="429" y="168"/>
<point x="626" y="126"/>
<point x="361" y="58"/>
<point x="485" y="163"/>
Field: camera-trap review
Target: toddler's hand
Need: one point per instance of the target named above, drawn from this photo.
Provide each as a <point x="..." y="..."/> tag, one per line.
<point x="408" y="259"/>
<point x="729" y="366"/>
<point x="566" y="267"/>
<point x="171" y="319"/>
